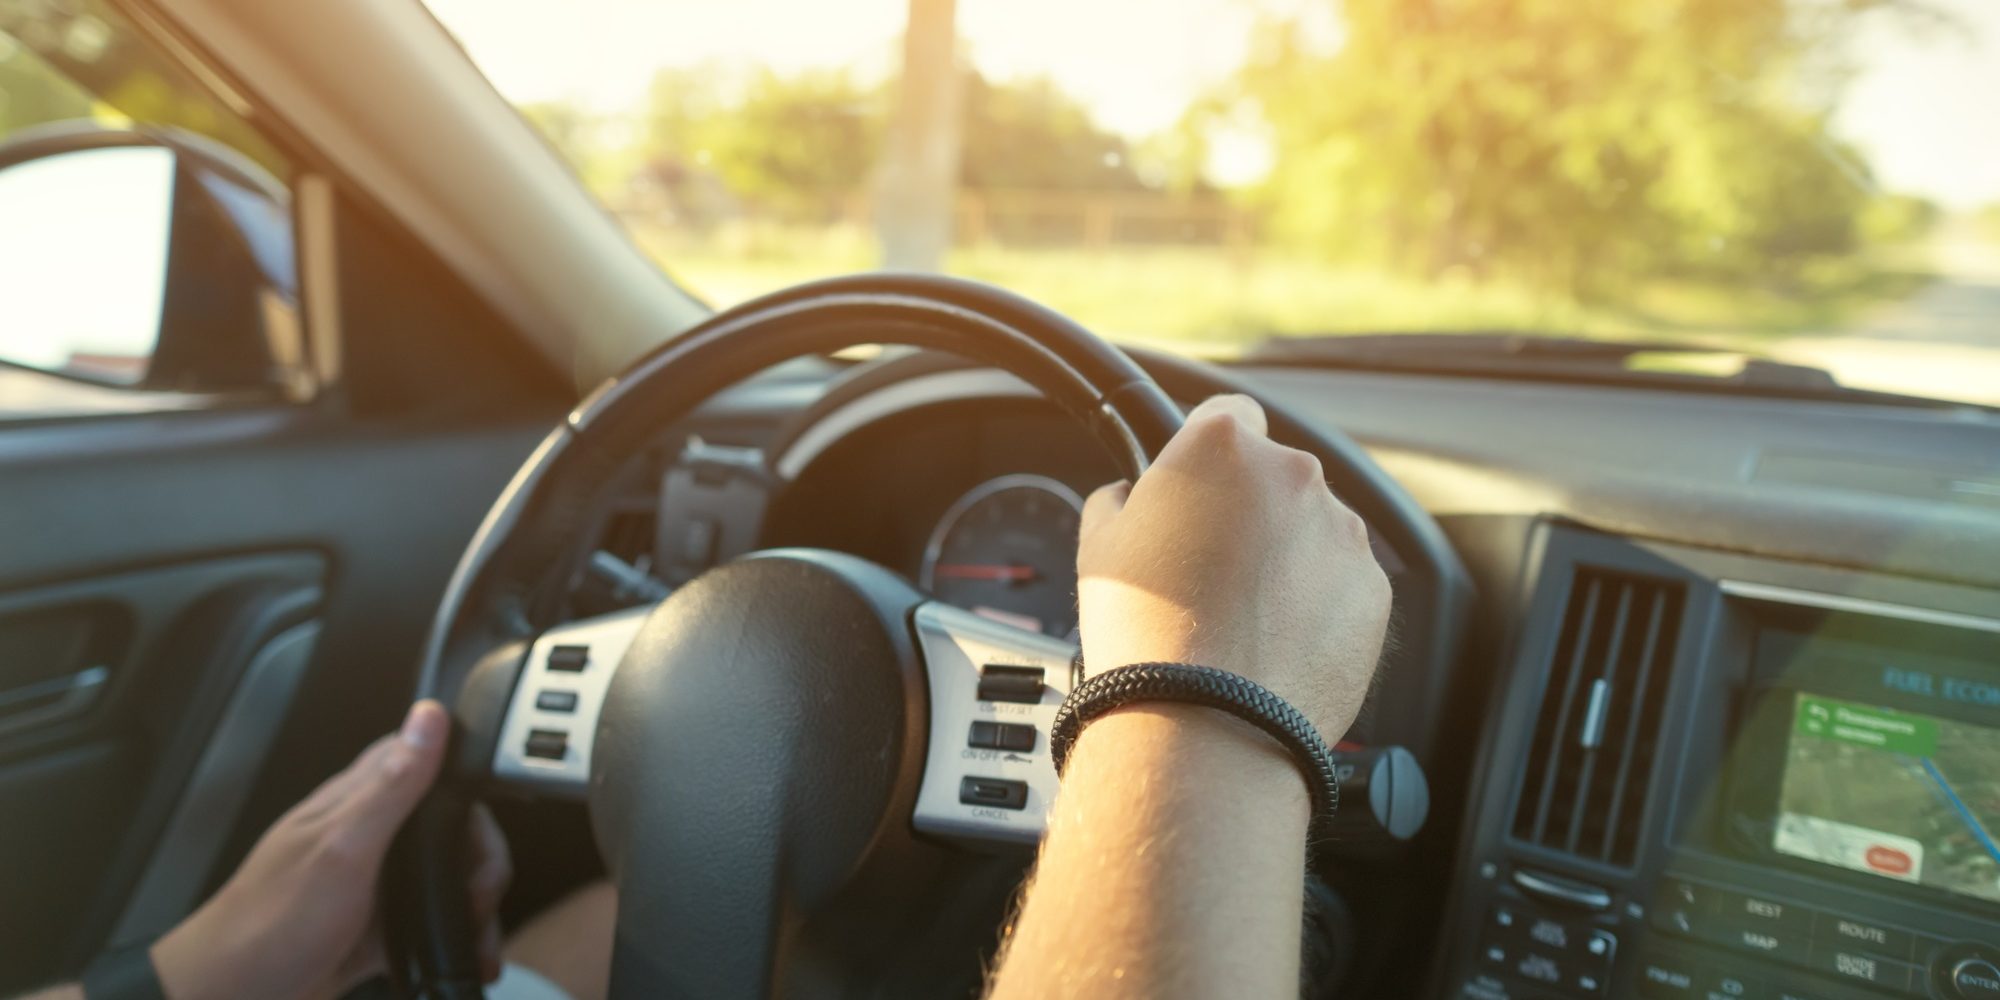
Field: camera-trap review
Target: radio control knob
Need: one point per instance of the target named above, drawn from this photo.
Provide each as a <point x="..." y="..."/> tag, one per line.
<point x="1975" y="978"/>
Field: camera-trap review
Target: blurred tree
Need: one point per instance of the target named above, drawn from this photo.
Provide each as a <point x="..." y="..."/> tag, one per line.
<point x="1987" y="221"/>
<point x="801" y="146"/>
<point x="1577" y="146"/>
<point x="88" y="43"/>
<point x="1030" y="135"/>
<point x="795" y="146"/>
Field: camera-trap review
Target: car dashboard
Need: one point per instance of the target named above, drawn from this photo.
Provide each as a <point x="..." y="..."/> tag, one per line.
<point x="1719" y="716"/>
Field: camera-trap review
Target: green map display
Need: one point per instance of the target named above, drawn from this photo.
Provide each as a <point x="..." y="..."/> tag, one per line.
<point x="1894" y="794"/>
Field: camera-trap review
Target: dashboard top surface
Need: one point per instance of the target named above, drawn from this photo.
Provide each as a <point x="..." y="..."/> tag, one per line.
<point x="1899" y="490"/>
<point x="1902" y="490"/>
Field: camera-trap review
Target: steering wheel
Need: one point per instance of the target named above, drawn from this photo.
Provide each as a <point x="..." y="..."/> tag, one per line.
<point x="772" y="753"/>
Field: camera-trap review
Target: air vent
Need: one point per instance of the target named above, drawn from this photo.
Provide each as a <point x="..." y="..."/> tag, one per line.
<point x="1584" y="789"/>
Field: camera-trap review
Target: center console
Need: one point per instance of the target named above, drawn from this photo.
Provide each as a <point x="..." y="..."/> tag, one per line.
<point x="1709" y="776"/>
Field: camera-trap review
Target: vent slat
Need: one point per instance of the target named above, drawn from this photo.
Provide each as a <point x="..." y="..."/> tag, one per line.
<point x="1655" y="615"/>
<point x="1611" y="661"/>
<point x="1552" y="768"/>
<point x="1588" y="750"/>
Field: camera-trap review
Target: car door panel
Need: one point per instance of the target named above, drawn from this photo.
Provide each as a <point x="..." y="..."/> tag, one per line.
<point x="87" y="771"/>
<point x="257" y="591"/>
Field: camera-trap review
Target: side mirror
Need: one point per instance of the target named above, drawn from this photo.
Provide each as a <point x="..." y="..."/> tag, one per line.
<point x="148" y="260"/>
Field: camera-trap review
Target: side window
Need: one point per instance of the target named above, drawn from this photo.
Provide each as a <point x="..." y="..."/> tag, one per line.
<point x="145" y="230"/>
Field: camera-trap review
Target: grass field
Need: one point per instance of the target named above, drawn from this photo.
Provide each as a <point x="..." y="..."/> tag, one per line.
<point x="1209" y="300"/>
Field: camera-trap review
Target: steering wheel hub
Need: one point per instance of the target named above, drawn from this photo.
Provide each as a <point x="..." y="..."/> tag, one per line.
<point x="754" y="746"/>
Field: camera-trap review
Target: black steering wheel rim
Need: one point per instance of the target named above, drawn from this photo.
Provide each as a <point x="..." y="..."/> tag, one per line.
<point x="499" y="592"/>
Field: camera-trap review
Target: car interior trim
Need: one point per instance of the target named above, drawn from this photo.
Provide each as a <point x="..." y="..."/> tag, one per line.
<point x="1856" y="605"/>
<point x="62" y="698"/>
<point x="426" y="137"/>
<point x="192" y="841"/>
<point x="900" y="397"/>
<point x="319" y="273"/>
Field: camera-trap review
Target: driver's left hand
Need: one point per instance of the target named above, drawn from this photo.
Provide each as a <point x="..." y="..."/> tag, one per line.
<point x="298" y="920"/>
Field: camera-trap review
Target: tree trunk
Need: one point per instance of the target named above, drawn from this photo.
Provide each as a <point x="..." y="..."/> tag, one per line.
<point x="919" y="177"/>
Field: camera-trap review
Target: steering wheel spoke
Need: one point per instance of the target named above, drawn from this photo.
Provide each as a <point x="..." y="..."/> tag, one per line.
<point x="550" y="725"/>
<point x="994" y="691"/>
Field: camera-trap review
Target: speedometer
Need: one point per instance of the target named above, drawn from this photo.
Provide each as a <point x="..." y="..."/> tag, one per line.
<point x="1007" y="550"/>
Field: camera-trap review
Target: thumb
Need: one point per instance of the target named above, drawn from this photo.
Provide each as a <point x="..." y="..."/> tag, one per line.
<point x="395" y="777"/>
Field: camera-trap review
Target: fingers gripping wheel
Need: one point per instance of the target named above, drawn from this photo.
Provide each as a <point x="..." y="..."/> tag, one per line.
<point x="500" y="598"/>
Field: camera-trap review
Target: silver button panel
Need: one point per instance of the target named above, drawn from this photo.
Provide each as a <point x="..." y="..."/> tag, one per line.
<point x="956" y="645"/>
<point x="531" y="717"/>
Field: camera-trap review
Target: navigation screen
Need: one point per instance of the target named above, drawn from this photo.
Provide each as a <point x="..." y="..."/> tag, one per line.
<point x="1895" y="794"/>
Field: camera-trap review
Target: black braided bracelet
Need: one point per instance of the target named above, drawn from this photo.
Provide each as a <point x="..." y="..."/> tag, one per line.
<point x="1210" y="688"/>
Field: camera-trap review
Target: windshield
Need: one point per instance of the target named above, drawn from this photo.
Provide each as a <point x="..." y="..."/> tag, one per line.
<point x="1815" y="182"/>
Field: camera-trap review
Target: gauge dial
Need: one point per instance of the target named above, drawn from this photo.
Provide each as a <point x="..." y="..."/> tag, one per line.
<point x="1007" y="550"/>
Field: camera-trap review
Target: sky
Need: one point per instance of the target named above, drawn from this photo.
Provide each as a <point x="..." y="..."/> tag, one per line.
<point x="1923" y="107"/>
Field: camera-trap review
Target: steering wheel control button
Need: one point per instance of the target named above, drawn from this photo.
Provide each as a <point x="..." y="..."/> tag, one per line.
<point x="1001" y="736"/>
<point x="560" y="692"/>
<point x="569" y="659"/>
<point x="997" y="793"/>
<point x="1020" y="685"/>
<point x="1975" y="979"/>
<point x="556" y="701"/>
<point x="547" y="744"/>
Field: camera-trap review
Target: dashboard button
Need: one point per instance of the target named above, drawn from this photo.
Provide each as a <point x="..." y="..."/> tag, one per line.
<point x="1779" y="944"/>
<point x="1859" y="967"/>
<point x="1538" y="965"/>
<point x="999" y="793"/>
<point x="1506" y="918"/>
<point x="1835" y="931"/>
<point x="1715" y="984"/>
<point x="1663" y="977"/>
<point x="1743" y="909"/>
<point x="1001" y="736"/>
<point x="556" y="701"/>
<point x="1684" y="908"/>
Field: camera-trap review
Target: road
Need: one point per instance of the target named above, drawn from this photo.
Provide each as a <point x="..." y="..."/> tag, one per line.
<point x="1943" y="341"/>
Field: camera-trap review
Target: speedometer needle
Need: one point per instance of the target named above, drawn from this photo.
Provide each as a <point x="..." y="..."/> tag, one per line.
<point x="1002" y="572"/>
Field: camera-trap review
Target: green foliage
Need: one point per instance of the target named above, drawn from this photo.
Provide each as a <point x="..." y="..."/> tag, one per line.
<point x="93" y="50"/>
<point x="801" y="147"/>
<point x="1574" y="146"/>
<point x="1897" y="218"/>
<point x="796" y="146"/>
<point x="1029" y="135"/>
<point x="1988" y="221"/>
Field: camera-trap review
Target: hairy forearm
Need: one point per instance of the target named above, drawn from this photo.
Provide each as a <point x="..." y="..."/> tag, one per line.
<point x="1173" y="866"/>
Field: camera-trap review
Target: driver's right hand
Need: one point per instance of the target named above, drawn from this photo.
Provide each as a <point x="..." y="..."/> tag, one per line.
<point x="1232" y="553"/>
